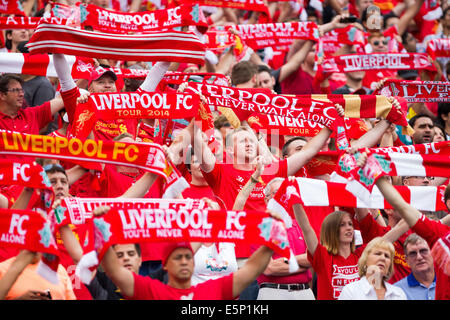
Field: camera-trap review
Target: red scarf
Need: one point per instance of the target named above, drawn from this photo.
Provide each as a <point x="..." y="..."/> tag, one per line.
<point x="313" y="193"/>
<point x="42" y="65"/>
<point x="252" y="5"/>
<point x="172" y="46"/>
<point x="438" y="48"/>
<point x="112" y="21"/>
<point x="416" y="91"/>
<point x="284" y="126"/>
<point x="29" y="22"/>
<point x="24" y="229"/>
<point x="11" y="7"/>
<point x="77" y="211"/>
<point x="441" y="253"/>
<point x="163" y="225"/>
<point x="430" y="160"/>
<point x="145" y="156"/>
<point x="265" y="102"/>
<point x="377" y="61"/>
<point x="23" y="173"/>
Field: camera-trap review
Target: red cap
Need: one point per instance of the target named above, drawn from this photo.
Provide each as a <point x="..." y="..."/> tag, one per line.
<point x="170" y="247"/>
<point x="99" y="72"/>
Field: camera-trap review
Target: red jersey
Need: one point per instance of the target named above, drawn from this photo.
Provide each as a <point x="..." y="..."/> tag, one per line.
<point x="333" y="272"/>
<point x="146" y="288"/>
<point x="431" y="231"/>
<point x="371" y="229"/>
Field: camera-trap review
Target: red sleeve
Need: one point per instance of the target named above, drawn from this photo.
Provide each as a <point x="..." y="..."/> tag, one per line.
<point x="70" y="102"/>
<point x="42" y="114"/>
<point x="214" y="176"/>
<point x="371" y="229"/>
<point x="430" y="230"/>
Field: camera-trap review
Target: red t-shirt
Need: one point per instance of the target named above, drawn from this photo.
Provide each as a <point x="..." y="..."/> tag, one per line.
<point x="146" y="288"/>
<point x="226" y="182"/>
<point x="371" y="229"/>
<point x="431" y="231"/>
<point x="29" y="120"/>
<point x="198" y="192"/>
<point x="333" y="272"/>
<point x="299" y="82"/>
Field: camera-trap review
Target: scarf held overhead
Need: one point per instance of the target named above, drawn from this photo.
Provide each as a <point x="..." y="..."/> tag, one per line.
<point x="167" y="225"/>
<point x="314" y="192"/>
<point x="171" y="46"/>
<point x="377" y="61"/>
<point x="416" y="91"/>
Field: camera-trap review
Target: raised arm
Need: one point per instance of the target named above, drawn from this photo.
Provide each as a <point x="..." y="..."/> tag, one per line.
<point x="410" y="214"/>
<point x="396" y="232"/>
<point x="299" y="159"/>
<point x="155" y="75"/>
<point x="141" y="187"/>
<point x="308" y="232"/>
<point x="119" y="275"/>
<point x="371" y="137"/>
<point x="295" y="61"/>
<point x="254" y="266"/>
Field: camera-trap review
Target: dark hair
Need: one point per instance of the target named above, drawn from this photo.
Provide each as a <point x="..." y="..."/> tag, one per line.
<point x="438" y="125"/>
<point x="221" y="121"/>
<point x="8" y="42"/>
<point x="443" y="109"/>
<point x="6" y="79"/>
<point x="413" y="120"/>
<point x="53" y="168"/>
<point x="243" y="72"/>
<point x="284" y="150"/>
<point x="262" y="68"/>
<point x="387" y="16"/>
<point x="137" y="246"/>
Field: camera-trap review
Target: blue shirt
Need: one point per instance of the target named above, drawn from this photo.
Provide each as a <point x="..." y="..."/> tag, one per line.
<point x="415" y="290"/>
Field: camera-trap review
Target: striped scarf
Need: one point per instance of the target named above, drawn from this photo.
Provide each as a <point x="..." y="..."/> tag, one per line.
<point x="171" y="46"/>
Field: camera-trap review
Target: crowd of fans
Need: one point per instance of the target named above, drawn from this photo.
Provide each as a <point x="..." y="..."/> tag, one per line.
<point x="342" y="253"/>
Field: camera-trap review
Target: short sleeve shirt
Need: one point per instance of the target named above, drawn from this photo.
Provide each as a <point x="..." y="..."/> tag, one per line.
<point x="146" y="288"/>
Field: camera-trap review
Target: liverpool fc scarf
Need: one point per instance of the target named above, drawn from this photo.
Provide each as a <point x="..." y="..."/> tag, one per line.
<point x="377" y="61"/>
<point x="165" y="225"/>
<point x="252" y="5"/>
<point x="145" y="156"/>
<point x="111" y="21"/>
<point x="430" y="160"/>
<point x="172" y="46"/>
<point x="24" y="229"/>
<point x="416" y="91"/>
<point x="438" y="48"/>
<point x="11" y="7"/>
<point x="77" y="211"/>
<point x="314" y="192"/>
<point x="441" y="253"/>
<point x="23" y="173"/>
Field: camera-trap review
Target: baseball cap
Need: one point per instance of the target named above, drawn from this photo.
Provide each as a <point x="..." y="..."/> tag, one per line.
<point x="99" y="72"/>
<point x="170" y="247"/>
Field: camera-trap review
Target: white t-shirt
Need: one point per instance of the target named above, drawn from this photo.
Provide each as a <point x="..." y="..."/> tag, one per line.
<point x="214" y="261"/>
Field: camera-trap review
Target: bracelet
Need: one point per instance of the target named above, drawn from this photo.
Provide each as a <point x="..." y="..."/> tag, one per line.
<point x="253" y="179"/>
<point x="379" y="214"/>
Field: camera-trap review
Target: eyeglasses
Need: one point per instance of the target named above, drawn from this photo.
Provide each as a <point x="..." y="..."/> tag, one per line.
<point x="377" y="43"/>
<point x="423" y="253"/>
<point x="15" y="90"/>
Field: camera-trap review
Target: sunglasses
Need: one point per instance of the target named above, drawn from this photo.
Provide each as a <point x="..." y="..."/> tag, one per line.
<point x="377" y="43"/>
<point x="52" y="166"/>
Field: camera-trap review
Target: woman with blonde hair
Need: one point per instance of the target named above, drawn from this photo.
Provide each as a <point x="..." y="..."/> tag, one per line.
<point x="334" y="259"/>
<point x="376" y="266"/>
